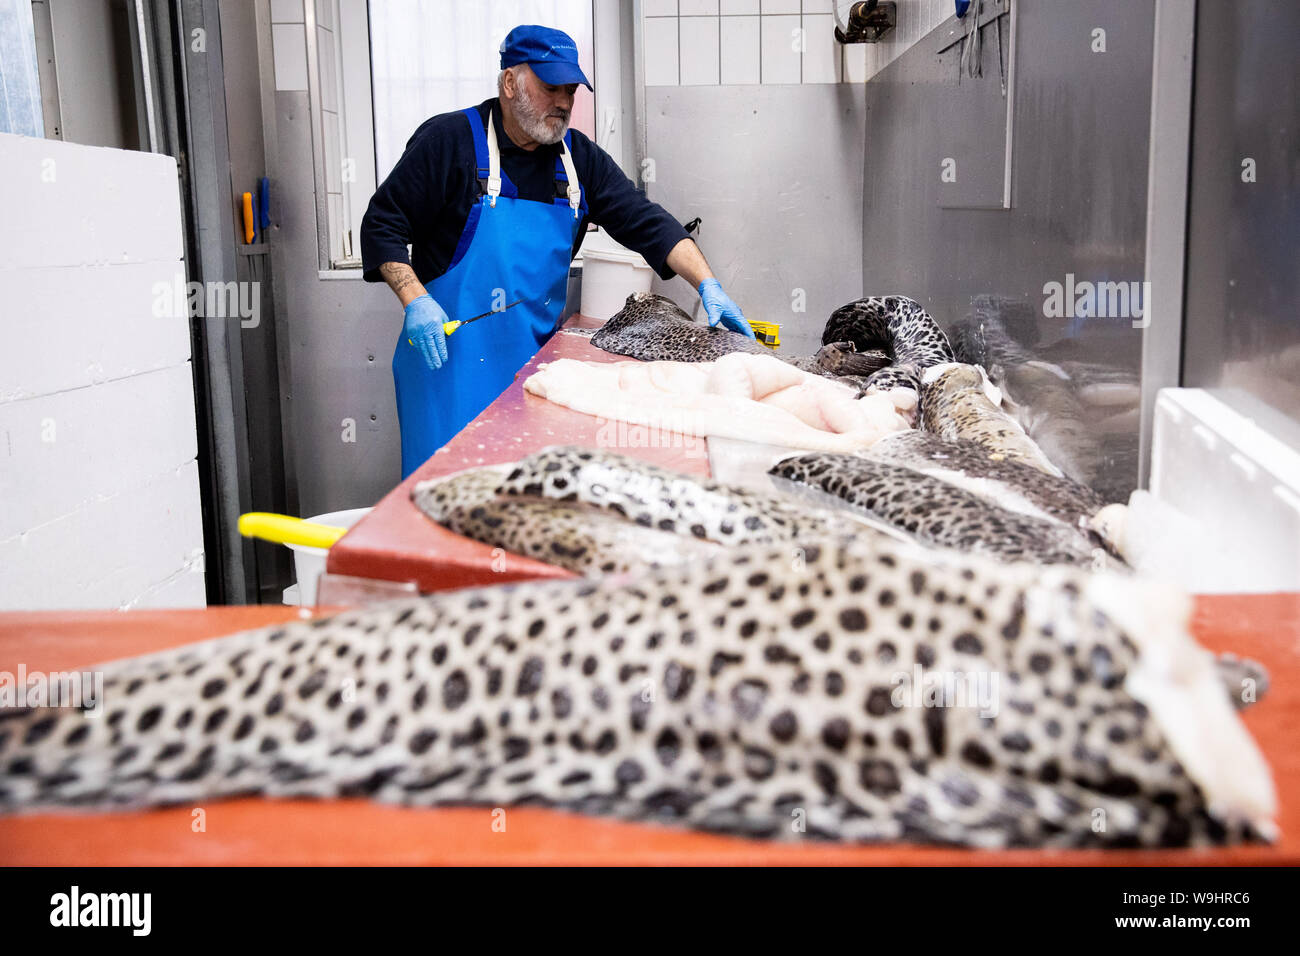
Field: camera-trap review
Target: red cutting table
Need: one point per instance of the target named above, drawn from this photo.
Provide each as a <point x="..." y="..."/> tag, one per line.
<point x="257" y="832"/>
<point x="395" y="542"/>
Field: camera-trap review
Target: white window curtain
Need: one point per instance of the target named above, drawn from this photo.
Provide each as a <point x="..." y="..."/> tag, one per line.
<point x="437" y="56"/>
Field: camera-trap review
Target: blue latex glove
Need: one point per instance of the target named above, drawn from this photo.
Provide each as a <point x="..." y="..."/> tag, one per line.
<point x="423" y="329"/>
<point x="720" y="308"/>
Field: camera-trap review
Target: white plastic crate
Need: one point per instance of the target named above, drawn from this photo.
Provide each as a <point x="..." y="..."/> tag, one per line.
<point x="1239" y="486"/>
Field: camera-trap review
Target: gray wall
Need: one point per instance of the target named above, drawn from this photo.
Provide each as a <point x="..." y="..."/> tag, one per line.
<point x="775" y="173"/>
<point x="339" y="334"/>
<point x="1078" y="198"/>
<point x="1243" y="277"/>
<point x="92" y="47"/>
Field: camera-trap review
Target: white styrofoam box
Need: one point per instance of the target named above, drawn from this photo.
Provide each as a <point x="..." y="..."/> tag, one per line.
<point x="699" y="48"/>
<point x="185" y="588"/>
<point x="821" y="61"/>
<point x="781" y="57"/>
<point x="659" y="8"/>
<point x="68" y="327"/>
<point x="289" y="46"/>
<point x="110" y="553"/>
<point x="781" y="6"/>
<point x="67" y="450"/>
<point x="740" y="50"/>
<point x="732" y="8"/>
<point x="855" y="62"/>
<point x="286" y="11"/>
<point x="1240" y="483"/>
<point x="661" y="51"/>
<point x="68" y="205"/>
<point x="698" y="8"/>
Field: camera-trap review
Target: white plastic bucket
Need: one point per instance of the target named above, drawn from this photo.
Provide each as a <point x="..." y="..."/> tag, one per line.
<point x="309" y="563"/>
<point x="610" y="273"/>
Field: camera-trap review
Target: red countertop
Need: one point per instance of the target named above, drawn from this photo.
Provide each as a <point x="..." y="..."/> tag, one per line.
<point x="396" y="542"/>
<point x="264" y="832"/>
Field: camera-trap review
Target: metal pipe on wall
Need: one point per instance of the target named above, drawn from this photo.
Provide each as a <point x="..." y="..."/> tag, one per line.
<point x="212" y="259"/>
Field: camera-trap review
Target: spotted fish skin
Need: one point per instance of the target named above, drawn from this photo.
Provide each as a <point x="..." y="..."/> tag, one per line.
<point x="1060" y="498"/>
<point x="894" y="323"/>
<point x="654" y="328"/>
<point x="937" y="513"/>
<point x="959" y="401"/>
<point x="582" y="538"/>
<point x="654" y="497"/>
<point x="744" y="694"/>
<point x="891" y="378"/>
<point x="844" y="358"/>
<point x="809" y="364"/>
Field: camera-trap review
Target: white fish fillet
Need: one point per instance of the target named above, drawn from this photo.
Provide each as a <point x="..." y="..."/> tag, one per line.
<point x="748" y="397"/>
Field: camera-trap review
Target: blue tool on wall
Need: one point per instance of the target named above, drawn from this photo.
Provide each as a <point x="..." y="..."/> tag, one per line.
<point x="264" y="205"/>
<point x="962" y="7"/>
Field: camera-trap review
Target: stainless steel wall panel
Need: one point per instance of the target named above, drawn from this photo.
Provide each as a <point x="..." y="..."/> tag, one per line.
<point x="775" y="173"/>
<point x="1243" y="265"/>
<point x="1079" y="161"/>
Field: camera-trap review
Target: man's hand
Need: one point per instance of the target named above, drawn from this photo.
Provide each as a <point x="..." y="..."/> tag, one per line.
<point x="720" y="308"/>
<point x="423" y="330"/>
<point x="688" y="262"/>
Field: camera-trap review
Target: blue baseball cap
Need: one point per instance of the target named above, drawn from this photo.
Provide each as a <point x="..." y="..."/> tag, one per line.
<point x="551" y="54"/>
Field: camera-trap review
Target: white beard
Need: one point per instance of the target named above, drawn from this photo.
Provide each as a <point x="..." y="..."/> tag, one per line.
<point x="534" y="124"/>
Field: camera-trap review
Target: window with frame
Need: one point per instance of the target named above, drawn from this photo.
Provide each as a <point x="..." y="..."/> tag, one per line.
<point x="385" y="66"/>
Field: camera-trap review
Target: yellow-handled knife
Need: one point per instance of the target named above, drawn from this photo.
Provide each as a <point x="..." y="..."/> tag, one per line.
<point x="452" y="326"/>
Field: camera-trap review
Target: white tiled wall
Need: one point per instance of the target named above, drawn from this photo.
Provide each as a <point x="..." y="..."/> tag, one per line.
<point x="738" y="36"/>
<point x="697" y="44"/>
<point x="705" y="42"/>
<point x="916" y="18"/>
<point x="779" y="56"/>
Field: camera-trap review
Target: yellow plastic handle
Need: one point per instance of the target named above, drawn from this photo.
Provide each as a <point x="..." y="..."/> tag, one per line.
<point x="248" y="218"/>
<point x="286" y="529"/>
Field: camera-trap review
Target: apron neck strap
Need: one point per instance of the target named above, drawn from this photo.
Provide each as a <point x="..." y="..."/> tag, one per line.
<point x="494" y="160"/>
<point x="575" y="190"/>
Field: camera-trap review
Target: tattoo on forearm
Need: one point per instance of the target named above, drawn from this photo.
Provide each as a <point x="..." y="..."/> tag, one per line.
<point x="398" y="275"/>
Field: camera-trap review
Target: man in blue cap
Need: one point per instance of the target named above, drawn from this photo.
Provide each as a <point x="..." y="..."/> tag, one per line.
<point x="494" y="201"/>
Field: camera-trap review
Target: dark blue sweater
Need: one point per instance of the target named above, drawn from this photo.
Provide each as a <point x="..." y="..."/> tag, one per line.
<point x="427" y="197"/>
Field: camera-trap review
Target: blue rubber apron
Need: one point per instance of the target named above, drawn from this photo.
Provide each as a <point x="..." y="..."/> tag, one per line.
<point x="511" y="249"/>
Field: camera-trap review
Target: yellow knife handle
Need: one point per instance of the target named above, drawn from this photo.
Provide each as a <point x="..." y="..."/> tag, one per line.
<point x="285" y="529"/>
<point x="450" y="327"/>
<point x="248" y="218"/>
